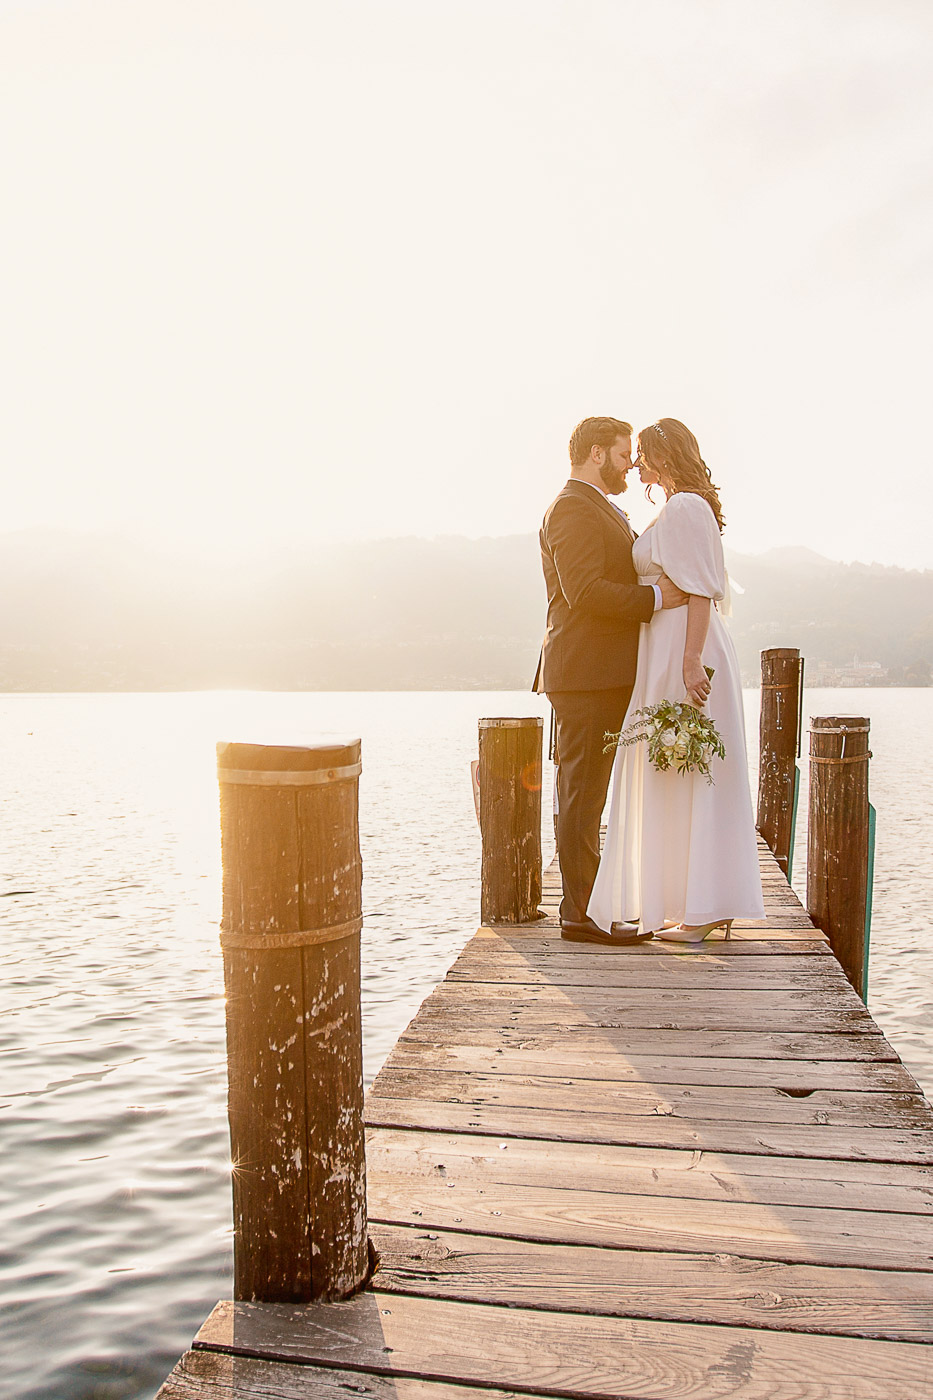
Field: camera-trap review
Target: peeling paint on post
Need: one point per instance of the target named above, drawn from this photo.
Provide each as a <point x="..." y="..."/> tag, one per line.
<point x="291" y="942"/>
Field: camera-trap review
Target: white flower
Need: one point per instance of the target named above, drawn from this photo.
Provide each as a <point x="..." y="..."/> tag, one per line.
<point x="669" y="738"/>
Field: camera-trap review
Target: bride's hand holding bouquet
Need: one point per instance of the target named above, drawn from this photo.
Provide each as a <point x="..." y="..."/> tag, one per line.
<point x="679" y="735"/>
<point x="697" y="681"/>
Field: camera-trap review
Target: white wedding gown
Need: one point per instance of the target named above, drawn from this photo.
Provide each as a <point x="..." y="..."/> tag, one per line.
<point x="677" y="848"/>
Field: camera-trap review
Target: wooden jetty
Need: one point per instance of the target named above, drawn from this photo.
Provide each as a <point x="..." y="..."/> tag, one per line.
<point x="596" y="1173"/>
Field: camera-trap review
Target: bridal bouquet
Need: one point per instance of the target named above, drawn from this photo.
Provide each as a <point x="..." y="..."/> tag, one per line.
<point x="679" y="736"/>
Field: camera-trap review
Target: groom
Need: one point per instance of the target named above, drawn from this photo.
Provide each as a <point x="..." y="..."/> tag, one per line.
<point x="587" y="665"/>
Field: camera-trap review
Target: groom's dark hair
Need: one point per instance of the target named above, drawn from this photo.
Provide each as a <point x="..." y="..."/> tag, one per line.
<point x="595" y="432"/>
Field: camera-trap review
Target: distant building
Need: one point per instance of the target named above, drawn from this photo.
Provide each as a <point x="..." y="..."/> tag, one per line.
<point x="859" y="673"/>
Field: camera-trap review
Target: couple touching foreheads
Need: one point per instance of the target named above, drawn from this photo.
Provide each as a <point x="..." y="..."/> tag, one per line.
<point x="633" y="621"/>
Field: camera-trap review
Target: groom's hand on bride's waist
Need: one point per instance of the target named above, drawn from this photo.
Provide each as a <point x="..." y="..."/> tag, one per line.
<point x="671" y="595"/>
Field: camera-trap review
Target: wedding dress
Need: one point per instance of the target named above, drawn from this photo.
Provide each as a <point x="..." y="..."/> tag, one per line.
<point x="678" y="849"/>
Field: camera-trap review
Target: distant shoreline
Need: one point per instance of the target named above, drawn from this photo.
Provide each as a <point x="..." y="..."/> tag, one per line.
<point x="88" y="616"/>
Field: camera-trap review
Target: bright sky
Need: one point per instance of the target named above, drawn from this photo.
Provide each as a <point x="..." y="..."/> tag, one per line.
<point x="296" y="269"/>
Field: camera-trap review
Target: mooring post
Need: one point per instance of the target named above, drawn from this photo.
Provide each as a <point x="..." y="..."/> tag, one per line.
<point x="779" y="747"/>
<point x="510" y="818"/>
<point x="838" y="838"/>
<point x="291" y="945"/>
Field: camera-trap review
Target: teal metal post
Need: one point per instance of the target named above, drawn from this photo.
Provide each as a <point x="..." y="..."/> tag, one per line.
<point x="868" y="897"/>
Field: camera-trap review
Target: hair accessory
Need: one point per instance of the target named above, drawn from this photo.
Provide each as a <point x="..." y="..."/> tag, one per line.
<point x="658" y="429"/>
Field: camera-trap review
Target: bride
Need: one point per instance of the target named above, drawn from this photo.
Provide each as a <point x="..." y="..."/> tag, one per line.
<point x="680" y="855"/>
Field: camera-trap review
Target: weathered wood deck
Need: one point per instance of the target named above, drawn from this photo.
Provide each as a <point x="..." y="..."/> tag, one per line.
<point x="657" y="1172"/>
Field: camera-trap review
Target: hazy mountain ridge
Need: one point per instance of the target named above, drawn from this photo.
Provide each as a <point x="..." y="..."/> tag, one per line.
<point x="102" y="613"/>
<point x="833" y="612"/>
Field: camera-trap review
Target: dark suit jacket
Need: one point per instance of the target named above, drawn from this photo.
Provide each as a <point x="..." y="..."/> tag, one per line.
<point x="594" y="602"/>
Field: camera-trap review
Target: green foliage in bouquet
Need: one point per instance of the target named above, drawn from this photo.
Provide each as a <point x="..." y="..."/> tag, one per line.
<point x="679" y="736"/>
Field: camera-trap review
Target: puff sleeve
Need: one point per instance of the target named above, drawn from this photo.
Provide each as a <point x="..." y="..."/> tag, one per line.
<point x="688" y="546"/>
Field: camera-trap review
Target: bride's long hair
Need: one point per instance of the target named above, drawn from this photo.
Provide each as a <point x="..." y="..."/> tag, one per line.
<point x="671" y="450"/>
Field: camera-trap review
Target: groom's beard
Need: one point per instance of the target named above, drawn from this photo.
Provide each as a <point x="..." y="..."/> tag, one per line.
<point x="614" y="479"/>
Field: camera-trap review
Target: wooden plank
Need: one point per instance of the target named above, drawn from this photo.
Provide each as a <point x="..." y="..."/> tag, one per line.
<point x="733" y="974"/>
<point x="719" y="1288"/>
<point x="500" y="953"/>
<point x="773" y="1139"/>
<point x="214" y="1375"/>
<point x="598" y="1061"/>
<point x="812" y="1000"/>
<point x="569" y="1354"/>
<point x="687" y="1102"/>
<point x="653" y="1009"/>
<point x="767" y="1047"/>
<point x="559" y="1213"/>
<point x="778" y="925"/>
<point x="789" y="927"/>
<point x="487" y="1165"/>
<point x="647" y="1009"/>
<point x="538" y="938"/>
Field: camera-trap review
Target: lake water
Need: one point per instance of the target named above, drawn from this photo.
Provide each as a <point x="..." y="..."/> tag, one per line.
<point x="115" y="1236"/>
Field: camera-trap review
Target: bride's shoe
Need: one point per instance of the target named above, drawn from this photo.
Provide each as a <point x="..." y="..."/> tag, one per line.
<point x="677" y="933"/>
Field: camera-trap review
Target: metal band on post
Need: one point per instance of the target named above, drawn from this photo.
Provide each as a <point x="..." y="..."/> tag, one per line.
<point x="852" y="758"/>
<point x="257" y="778"/>
<point x="530" y="722"/>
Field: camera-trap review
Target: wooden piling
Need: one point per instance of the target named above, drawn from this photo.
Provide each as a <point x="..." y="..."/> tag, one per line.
<point x="837" y="847"/>
<point x="510" y="818"/>
<point x="781" y="677"/>
<point x="291" y="945"/>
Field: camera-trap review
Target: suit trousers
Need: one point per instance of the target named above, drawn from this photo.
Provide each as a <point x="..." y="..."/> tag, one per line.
<point x="583" y="717"/>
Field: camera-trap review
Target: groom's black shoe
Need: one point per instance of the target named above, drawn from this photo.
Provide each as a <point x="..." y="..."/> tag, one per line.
<point x="619" y="936"/>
